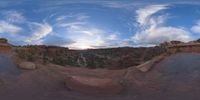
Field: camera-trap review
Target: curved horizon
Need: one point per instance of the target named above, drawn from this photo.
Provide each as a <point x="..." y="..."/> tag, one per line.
<point x="99" y="23"/>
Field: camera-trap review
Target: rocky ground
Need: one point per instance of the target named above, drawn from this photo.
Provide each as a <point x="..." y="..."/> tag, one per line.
<point x="176" y="77"/>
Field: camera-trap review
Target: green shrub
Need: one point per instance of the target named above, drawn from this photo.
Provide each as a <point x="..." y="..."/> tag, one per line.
<point x="31" y="57"/>
<point x="21" y="54"/>
<point x="59" y="61"/>
<point x="91" y="64"/>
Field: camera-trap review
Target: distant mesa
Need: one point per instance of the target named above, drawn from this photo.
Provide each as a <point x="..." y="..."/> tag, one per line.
<point x="3" y="40"/>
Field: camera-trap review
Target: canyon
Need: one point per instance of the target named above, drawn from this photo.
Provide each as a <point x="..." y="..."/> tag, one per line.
<point x="169" y="71"/>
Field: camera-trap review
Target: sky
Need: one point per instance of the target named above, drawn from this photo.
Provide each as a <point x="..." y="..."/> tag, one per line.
<point x="84" y="24"/>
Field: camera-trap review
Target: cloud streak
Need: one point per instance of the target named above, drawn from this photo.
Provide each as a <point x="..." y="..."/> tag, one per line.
<point x="40" y="30"/>
<point x="152" y="31"/>
<point x="6" y="27"/>
<point x="13" y="16"/>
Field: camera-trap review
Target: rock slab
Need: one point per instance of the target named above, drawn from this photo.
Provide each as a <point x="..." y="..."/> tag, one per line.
<point x="93" y="85"/>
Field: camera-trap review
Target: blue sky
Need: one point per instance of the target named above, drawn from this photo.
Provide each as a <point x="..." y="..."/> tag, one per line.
<point x="81" y="24"/>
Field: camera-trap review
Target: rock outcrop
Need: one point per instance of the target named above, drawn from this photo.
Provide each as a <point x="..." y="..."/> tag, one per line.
<point x="93" y="85"/>
<point x="4" y="45"/>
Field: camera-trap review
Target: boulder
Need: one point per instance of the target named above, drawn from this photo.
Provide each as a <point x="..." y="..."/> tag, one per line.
<point x="93" y="85"/>
<point x="27" y="66"/>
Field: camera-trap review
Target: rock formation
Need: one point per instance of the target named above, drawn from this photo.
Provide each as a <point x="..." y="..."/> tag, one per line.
<point x="4" y="46"/>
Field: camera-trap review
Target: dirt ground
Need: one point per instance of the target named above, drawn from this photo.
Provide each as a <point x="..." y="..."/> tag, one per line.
<point x="177" y="77"/>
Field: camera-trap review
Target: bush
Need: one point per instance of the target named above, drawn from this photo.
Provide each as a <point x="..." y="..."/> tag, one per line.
<point x="91" y="64"/>
<point x="59" y="61"/>
<point x="21" y="54"/>
<point x="30" y="57"/>
<point x="44" y="58"/>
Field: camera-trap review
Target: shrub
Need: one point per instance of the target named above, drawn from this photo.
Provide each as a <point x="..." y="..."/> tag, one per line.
<point x="59" y="61"/>
<point x="91" y="64"/>
<point x="21" y="54"/>
<point x="31" y="57"/>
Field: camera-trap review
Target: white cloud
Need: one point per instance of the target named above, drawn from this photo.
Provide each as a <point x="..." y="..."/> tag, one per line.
<point x="112" y="37"/>
<point x="82" y="17"/>
<point x="6" y="27"/>
<point x="13" y="16"/>
<point x="85" y="36"/>
<point x="82" y="33"/>
<point x="39" y="31"/>
<point x="78" y="17"/>
<point x="71" y="24"/>
<point x="86" y="43"/>
<point x="144" y="14"/>
<point x="153" y="31"/>
<point x="91" y="31"/>
<point x="78" y="30"/>
<point x="160" y="34"/>
<point x="196" y="28"/>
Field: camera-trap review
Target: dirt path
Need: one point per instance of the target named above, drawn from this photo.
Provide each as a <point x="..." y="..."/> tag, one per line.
<point x="7" y="68"/>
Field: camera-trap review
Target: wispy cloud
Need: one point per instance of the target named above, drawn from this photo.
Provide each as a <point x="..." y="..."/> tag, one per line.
<point x="13" y="16"/>
<point x="152" y="29"/>
<point x="71" y="24"/>
<point x="84" y="35"/>
<point x="77" y="16"/>
<point x="144" y="15"/>
<point x="39" y="31"/>
<point x="78" y="29"/>
<point x="6" y="27"/>
<point x="112" y="37"/>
